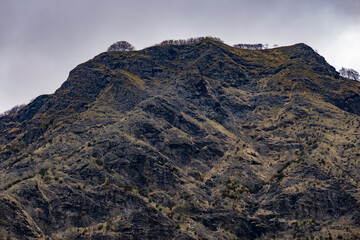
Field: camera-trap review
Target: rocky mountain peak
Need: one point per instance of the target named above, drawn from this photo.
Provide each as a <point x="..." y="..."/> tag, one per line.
<point x="186" y="141"/>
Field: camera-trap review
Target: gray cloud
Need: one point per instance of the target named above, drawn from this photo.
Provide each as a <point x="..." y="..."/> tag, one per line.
<point x="42" y="40"/>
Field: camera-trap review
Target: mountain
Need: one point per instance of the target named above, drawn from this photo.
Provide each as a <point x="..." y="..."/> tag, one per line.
<point x="192" y="141"/>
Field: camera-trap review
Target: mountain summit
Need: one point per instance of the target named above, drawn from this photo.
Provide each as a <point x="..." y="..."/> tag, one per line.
<point x="191" y="141"/>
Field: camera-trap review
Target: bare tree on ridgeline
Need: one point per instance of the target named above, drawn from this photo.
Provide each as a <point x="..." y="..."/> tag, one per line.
<point x="121" y="46"/>
<point x="258" y="46"/>
<point x="187" y="41"/>
<point x="349" y="73"/>
<point x="13" y="110"/>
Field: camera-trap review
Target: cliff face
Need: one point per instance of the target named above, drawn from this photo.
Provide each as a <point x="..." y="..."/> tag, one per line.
<point x="186" y="142"/>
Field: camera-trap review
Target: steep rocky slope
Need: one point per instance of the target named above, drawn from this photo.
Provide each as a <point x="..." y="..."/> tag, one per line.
<point x="196" y="141"/>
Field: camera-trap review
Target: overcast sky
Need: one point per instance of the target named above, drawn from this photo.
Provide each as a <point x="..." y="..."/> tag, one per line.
<point x="42" y="40"/>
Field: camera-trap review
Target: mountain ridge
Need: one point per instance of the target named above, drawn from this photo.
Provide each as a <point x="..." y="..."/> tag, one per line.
<point x="186" y="141"/>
